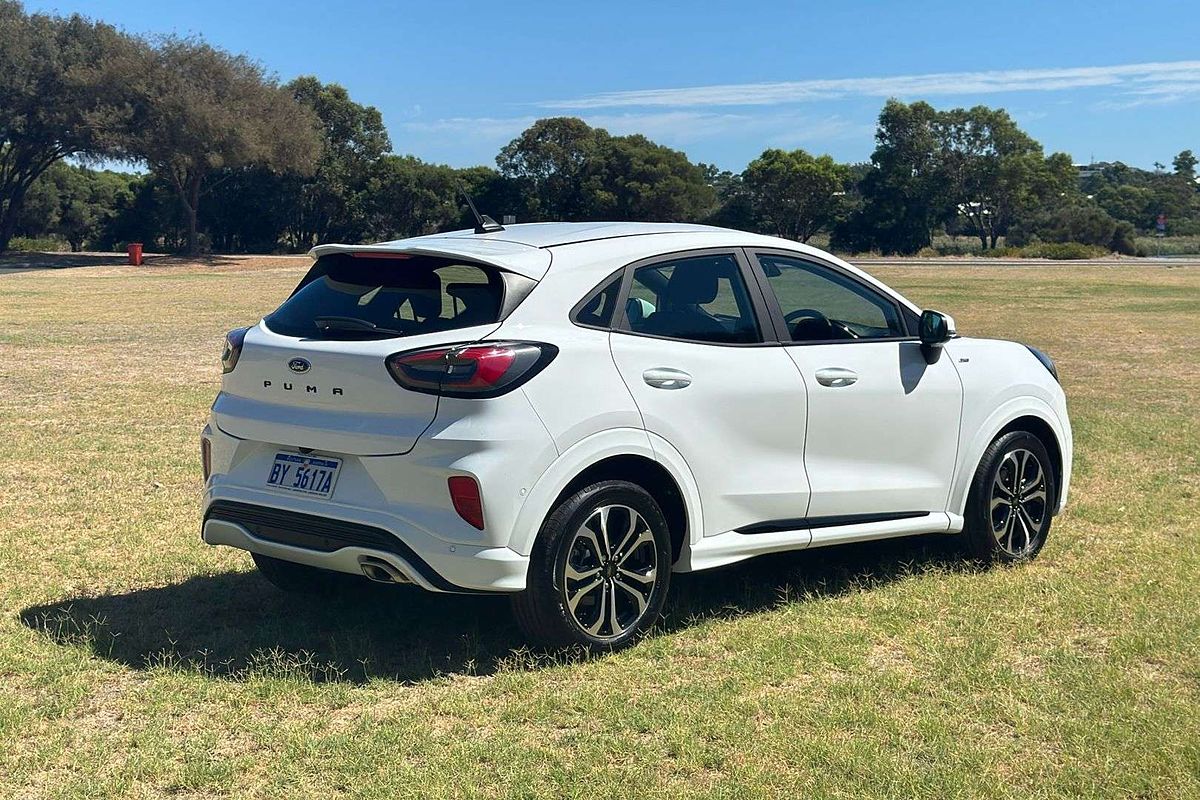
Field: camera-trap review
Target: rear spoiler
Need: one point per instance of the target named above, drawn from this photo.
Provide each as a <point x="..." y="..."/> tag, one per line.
<point x="530" y="262"/>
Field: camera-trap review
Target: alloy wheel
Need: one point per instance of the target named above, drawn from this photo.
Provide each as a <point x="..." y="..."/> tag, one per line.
<point x="610" y="571"/>
<point x="1019" y="503"/>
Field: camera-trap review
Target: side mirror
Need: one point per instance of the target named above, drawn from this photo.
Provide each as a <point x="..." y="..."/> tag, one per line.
<point x="935" y="330"/>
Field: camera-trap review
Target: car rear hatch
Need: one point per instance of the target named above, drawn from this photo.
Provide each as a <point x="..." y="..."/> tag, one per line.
<point x="313" y="373"/>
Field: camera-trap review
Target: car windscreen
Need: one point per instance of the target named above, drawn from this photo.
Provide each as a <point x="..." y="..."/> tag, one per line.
<point x="353" y="297"/>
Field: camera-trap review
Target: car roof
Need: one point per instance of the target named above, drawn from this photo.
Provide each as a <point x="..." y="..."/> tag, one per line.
<point x="554" y="234"/>
<point x="528" y="248"/>
<point x="525" y="248"/>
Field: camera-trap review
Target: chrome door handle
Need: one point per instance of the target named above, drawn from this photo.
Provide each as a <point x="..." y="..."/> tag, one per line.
<point x="667" y="378"/>
<point x="836" y="377"/>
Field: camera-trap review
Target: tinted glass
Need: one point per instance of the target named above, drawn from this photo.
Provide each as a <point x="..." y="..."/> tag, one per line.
<point x="821" y="304"/>
<point x="598" y="310"/>
<point x="702" y="299"/>
<point x="346" y="298"/>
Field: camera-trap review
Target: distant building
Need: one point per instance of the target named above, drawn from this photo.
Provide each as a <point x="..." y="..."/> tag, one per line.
<point x="1085" y="171"/>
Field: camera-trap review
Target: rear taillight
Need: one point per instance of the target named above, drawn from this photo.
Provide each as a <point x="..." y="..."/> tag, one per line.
<point x="206" y="457"/>
<point x="464" y="493"/>
<point x="233" y="348"/>
<point x="484" y="369"/>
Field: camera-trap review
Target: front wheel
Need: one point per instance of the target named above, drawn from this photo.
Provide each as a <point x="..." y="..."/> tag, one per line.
<point x="1011" y="500"/>
<point x="599" y="572"/>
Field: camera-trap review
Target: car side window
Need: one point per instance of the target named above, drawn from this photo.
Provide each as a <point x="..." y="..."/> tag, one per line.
<point x="596" y="310"/>
<point x="697" y="299"/>
<point x="820" y="304"/>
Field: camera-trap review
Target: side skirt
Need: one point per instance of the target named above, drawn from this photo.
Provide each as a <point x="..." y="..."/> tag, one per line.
<point x="734" y="546"/>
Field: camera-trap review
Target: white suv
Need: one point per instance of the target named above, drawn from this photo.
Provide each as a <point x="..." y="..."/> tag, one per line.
<point x="570" y="412"/>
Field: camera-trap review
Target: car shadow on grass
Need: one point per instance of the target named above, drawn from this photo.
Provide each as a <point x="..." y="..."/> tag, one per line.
<point x="237" y="626"/>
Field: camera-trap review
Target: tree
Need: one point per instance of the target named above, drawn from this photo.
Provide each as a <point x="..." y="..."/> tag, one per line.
<point x="1185" y="165"/>
<point x="994" y="172"/>
<point x="1078" y="222"/>
<point x="330" y="204"/>
<point x="903" y="193"/>
<point x="201" y="110"/>
<point x="733" y="200"/>
<point x="793" y="194"/>
<point x="60" y="95"/>
<point x="550" y="161"/>
<point x="409" y="197"/>
<point x="569" y="170"/>
<point x="75" y="203"/>
<point x="637" y="179"/>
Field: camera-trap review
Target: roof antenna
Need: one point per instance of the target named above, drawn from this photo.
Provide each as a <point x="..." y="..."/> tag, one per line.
<point x="483" y="223"/>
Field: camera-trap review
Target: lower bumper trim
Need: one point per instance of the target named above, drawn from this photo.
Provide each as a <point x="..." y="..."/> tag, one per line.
<point x="324" y="535"/>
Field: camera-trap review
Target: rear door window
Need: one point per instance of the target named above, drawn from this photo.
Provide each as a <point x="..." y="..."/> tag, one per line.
<point x="348" y="297"/>
<point x="697" y="299"/>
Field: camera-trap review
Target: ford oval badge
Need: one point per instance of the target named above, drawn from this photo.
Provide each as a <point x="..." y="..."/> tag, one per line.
<point x="299" y="365"/>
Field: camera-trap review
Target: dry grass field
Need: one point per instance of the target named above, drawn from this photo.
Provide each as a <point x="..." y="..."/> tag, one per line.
<point x="137" y="662"/>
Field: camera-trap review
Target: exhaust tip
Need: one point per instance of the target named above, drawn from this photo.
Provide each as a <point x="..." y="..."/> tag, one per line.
<point x="381" y="571"/>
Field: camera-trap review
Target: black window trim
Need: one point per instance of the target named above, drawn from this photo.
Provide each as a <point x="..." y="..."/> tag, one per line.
<point x="763" y="320"/>
<point x="595" y="292"/>
<point x="782" y="334"/>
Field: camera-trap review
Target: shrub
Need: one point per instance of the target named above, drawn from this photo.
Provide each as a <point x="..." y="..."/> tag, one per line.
<point x="45" y="244"/>
<point x="1063" y="251"/>
<point x="1123" y="239"/>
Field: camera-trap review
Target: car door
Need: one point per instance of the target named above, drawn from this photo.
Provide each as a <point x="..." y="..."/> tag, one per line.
<point x="882" y="430"/>
<point x="688" y="342"/>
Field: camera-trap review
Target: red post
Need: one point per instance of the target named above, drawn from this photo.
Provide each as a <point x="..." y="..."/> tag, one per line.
<point x="134" y="250"/>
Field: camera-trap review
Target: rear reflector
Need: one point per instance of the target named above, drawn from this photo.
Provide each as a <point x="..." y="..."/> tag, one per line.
<point x="206" y="457"/>
<point x="477" y="370"/>
<point x="464" y="493"/>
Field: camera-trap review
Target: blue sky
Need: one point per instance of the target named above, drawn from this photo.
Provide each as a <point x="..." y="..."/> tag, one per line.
<point x="721" y="81"/>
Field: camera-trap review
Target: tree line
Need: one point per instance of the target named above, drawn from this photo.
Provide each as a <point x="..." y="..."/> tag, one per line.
<point x="232" y="160"/>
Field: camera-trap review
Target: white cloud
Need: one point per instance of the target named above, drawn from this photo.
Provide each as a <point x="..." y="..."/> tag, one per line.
<point x="677" y="128"/>
<point x="1129" y="78"/>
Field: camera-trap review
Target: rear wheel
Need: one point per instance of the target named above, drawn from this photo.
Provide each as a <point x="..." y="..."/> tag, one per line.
<point x="299" y="578"/>
<point x="599" y="572"/>
<point x="1011" y="500"/>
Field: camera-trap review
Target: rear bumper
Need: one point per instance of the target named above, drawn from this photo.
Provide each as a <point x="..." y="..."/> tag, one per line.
<point x="341" y="544"/>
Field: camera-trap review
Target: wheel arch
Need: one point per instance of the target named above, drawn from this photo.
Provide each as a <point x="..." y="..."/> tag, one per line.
<point x="1027" y="414"/>
<point x="651" y="476"/>
<point x="622" y="454"/>
<point x="1040" y="428"/>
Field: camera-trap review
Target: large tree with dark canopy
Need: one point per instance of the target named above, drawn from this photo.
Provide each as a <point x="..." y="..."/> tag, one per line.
<point x="794" y="194"/>
<point x="330" y="204"/>
<point x="200" y="110"/>
<point x="60" y="95"/>
<point x="569" y="170"/>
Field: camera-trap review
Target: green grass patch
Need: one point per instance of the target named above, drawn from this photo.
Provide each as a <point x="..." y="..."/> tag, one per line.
<point x="135" y="661"/>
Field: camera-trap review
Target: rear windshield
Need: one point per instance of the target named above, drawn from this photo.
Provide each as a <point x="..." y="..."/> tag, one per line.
<point x="348" y="297"/>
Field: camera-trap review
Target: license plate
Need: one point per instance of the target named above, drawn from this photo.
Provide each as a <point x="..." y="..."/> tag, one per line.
<point x="315" y="475"/>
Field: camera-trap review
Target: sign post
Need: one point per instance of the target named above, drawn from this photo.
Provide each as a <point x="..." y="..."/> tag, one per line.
<point x="1160" y="230"/>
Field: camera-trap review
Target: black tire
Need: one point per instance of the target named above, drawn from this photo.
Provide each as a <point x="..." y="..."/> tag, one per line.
<point x="545" y="611"/>
<point x="300" y="578"/>
<point x="997" y="529"/>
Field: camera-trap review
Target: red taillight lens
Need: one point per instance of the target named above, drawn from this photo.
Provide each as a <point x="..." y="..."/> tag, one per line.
<point x="206" y="457"/>
<point x="487" y="369"/>
<point x="233" y="349"/>
<point x="464" y="493"/>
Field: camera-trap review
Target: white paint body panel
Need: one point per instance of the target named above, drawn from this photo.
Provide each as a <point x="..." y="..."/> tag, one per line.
<point x="753" y="438"/>
<point x="886" y="442"/>
<point x="744" y="448"/>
